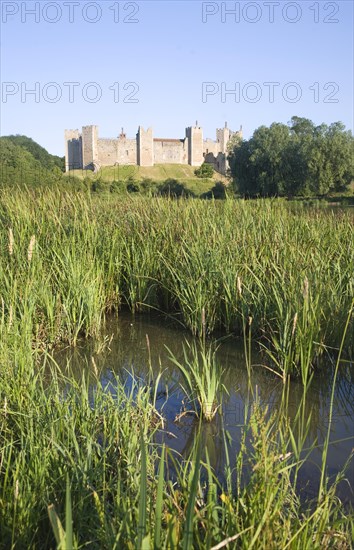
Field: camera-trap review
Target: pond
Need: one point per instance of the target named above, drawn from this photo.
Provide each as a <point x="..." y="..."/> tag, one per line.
<point x="135" y="346"/>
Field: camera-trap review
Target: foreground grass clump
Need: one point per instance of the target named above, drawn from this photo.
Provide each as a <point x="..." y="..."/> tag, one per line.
<point x="51" y="431"/>
<point x="202" y="378"/>
<point x="67" y="259"/>
<point x="79" y="463"/>
<point x="79" y="467"/>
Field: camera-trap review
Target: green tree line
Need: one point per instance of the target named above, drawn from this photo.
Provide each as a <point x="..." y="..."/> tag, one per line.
<point x="299" y="159"/>
<point x="23" y="161"/>
<point x="38" y="152"/>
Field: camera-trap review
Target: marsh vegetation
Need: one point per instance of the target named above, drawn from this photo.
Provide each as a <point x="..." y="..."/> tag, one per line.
<point x="81" y="462"/>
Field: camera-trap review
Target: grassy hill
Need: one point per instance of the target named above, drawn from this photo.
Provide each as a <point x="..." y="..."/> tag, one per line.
<point x="38" y="152"/>
<point x="158" y="173"/>
<point x="24" y="162"/>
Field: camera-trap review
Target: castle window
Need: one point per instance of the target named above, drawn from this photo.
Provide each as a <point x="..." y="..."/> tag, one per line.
<point x="127" y="153"/>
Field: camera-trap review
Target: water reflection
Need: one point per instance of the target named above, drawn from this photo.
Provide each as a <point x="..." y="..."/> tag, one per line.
<point x="138" y="345"/>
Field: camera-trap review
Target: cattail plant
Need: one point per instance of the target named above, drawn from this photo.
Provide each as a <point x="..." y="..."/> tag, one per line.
<point x="239" y="286"/>
<point x="294" y="324"/>
<point x="31" y="248"/>
<point x="305" y="291"/>
<point x="11" y="241"/>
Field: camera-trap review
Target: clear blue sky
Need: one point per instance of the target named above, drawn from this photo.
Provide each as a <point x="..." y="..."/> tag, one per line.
<point x="169" y="52"/>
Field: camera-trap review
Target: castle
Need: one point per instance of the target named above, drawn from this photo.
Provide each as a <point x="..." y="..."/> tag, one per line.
<point x="86" y="150"/>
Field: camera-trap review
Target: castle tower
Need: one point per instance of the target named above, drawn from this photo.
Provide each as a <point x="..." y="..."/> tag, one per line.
<point x="222" y="137"/>
<point x="145" y="147"/>
<point x="73" y="150"/>
<point x="89" y="147"/>
<point x="194" y="134"/>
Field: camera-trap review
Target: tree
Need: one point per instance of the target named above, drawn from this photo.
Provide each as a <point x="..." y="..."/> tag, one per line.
<point x="301" y="126"/>
<point x="18" y="166"/>
<point x="243" y="171"/>
<point x="340" y="155"/>
<point x="259" y="165"/>
<point x="39" y="153"/>
<point x="297" y="159"/>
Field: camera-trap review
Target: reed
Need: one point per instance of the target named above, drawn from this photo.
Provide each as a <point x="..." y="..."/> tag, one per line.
<point x="70" y="259"/>
<point x="70" y="450"/>
<point x="202" y="378"/>
<point x="77" y="470"/>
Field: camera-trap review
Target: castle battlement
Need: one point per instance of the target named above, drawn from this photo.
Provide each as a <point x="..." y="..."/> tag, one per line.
<point x="85" y="150"/>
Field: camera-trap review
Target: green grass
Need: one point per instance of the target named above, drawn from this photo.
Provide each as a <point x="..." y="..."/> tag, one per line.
<point x="202" y="378"/>
<point x="291" y="272"/>
<point x="77" y="470"/>
<point x="158" y="173"/>
<point x="79" y="465"/>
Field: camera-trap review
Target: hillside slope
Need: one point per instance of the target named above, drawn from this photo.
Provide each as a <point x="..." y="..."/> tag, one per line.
<point x="158" y="173"/>
<point x="39" y="153"/>
<point x="24" y="162"/>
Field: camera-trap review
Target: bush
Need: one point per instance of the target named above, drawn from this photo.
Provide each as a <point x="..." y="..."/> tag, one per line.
<point x="174" y="188"/>
<point x="97" y="186"/>
<point x="217" y="192"/>
<point x="133" y="187"/>
<point x="116" y="186"/>
<point x="73" y="183"/>
<point x="147" y="184"/>
<point x="205" y="171"/>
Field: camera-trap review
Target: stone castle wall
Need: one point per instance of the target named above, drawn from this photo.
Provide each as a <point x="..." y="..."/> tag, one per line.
<point x="195" y="145"/>
<point x="145" y="147"/>
<point x="219" y="162"/>
<point x="73" y="150"/>
<point x="117" y="151"/>
<point x="170" y="151"/>
<point x="89" y="146"/>
<point x="210" y="146"/>
<point x="86" y="150"/>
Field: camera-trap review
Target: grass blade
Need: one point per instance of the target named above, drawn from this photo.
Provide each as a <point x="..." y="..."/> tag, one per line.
<point x="143" y="496"/>
<point x="159" y="502"/>
<point x="188" y="530"/>
<point x="68" y="517"/>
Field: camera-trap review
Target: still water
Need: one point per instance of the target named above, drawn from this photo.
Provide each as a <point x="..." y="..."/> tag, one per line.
<point x="136" y="346"/>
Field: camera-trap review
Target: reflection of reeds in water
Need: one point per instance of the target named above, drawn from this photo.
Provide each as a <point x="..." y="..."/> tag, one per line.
<point x="128" y="351"/>
<point x="91" y="456"/>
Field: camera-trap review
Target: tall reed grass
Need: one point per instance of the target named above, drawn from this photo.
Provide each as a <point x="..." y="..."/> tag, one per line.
<point x="79" y="465"/>
<point x="68" y="259"/>
<point x="202" y="379"/>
